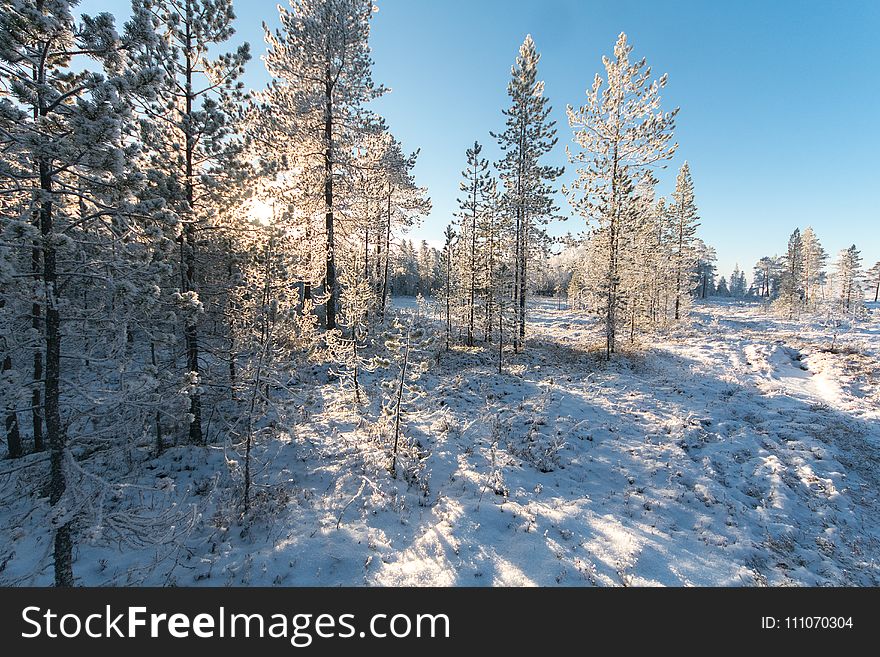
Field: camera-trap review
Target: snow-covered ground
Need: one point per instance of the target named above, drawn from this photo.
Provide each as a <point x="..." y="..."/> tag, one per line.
<point x="740" y="449"/>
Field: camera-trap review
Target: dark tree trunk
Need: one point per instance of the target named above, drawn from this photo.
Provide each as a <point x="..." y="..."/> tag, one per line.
<point x="473" y="290"/>
<point x="524" y="256"/>
<point x="307" y="285"/>
<point x="13" y="434"/>
<point x="516" y="257"/>
<point x="191" y="333"/>
<point x="367" y="255"/>
<point x="330" y="275"/>
<point x="490" y="264"/>
<point x="399" y="409"/>
<point x="678" y="271"/>
<point x="448" y="292"/>
<point x="611" y="310"/>
<point x="63" y="548"/>
<point x="36" y="312"/>
<point x="500" y="333"/>
<point x="158" y="418"/>
<point x="387" y="258"/>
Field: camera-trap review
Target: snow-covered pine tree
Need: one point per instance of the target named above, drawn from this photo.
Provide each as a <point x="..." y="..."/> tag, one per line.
<point x="192" y="158"/>
<point x="403" y="202"/>
<point x="347" y="344"/>
<point x="638" y="253"/>
<point x="68" y="142"/>
<point x="364" y="189"/>
<point x="847" y="276"/>
<point x="405" y="270"/>
<point x="765" y="279"/>
<point x="813" y="258"/>
<point x="792" y="282"/>
<point x="705" y="269"/>
<point x="412" y="346"/>
<point x="620" y="131"/>
<point x="528" y="195"/>
<point x="684" y="219"/>
<point x="474" y="204"/>
<point x="448" y="281"/>
<point x="872" y="278"/>
<point x="507" y="320"/>
<point x="738" y="286"/>
<point x="428" y="269"/>
<point x="493" y="231"/>
<point x="722" y="289"/>
<point x="10" y="384"/>
<point x="661" y="261"/>
<point x="322" y="69"/>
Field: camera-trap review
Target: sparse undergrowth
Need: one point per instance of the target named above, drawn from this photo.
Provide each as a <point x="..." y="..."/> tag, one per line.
<point x="742" y="457"/>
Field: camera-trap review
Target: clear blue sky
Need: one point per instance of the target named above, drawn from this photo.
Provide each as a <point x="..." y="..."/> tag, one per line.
<point x="779" y="100"/>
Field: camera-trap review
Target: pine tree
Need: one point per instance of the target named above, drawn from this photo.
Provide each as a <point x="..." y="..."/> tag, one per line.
<point x="508" y="315"/>
<point x="685" y="220"/>
<point x="403" y="202"/>
<point x="705" y="269"/>
<point x="792" y="279"/>
<point x="528" y="195"/>
<point x="492" y="230"/>
<point x="473" y="207"/>
<point x="68" y="140"/>
<point x="661" y="262"/>
<point x="347" y="345"/>
<point x="192" y="158"/>
<point x="738" y="284"/>
<point x="848" y="266"/>
<point x="320" y="59"/>
<point x="448" y="255"/>
<point x="412" y="346"/>
<point x="813" y="259"/>
<point x="620" y="131"/>
<point x="766" y="277"/>
<point x="873" y="280"/>
<point x="9" y="387"/>
<point x="639" y="253"/>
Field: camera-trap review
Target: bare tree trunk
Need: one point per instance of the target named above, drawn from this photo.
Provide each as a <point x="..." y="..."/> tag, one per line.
<point x="330" y="277"/>
<point x="516" y="258"/>
<point x="611" y="310"/>
<point x="367" y="254"/>
<point x="387" y="257"/>
<point x="500" y="332"/>
<point x="489" y="281"/>
<point x="158" y="419"/>
<point x="191" y="335"/>
<point x="524" y="257"/>
<point x="307" y="285"/>
<point x="399" y="403"/>
<point x="448" y="295"/>
<point x="36" y="311"/>
<point x="13" y="434"/>
<point x="377" y="268"/>
<point x="473" y="290"/>
<point x="678" y="265"/>
<point x="266" y="324"/>
<point x="63" y="543"/>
